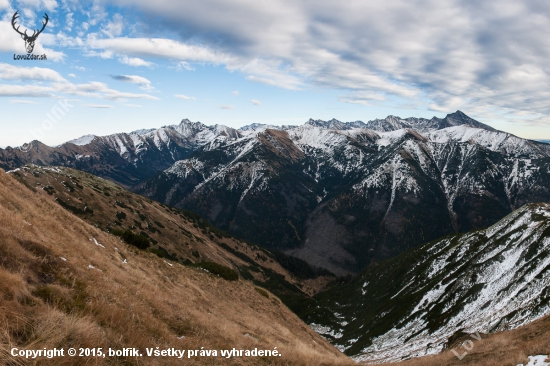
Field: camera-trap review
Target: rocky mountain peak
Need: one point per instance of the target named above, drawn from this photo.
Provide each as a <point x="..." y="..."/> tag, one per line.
<point x="84" y="140"/>
<point x="335" y="124"/>
<point x="316" y="122"/>
<point x="253" y="127"/>
<point x="188" y="122"/>
<point x="460" y="118"/>
<point x="223" y="130"/>
<point x="393" y="118"/>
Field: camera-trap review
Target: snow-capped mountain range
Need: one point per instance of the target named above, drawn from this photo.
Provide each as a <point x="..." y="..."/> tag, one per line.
<point x="126" y="158"/>
<point x="337" y="194"/>
<point x="419" y="302"/>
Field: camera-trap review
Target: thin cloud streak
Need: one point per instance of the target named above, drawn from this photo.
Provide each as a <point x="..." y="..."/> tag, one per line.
<point x="100" y="106"/>
<point x="184" y="97"/>
<point x="15" y="101"/>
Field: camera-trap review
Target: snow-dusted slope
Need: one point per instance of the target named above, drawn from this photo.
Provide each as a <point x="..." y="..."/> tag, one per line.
<point x="392" y="123"/>
<point x="187" y="135"/>
<point x="494" y="141"/>
<point x="126" y="158"/>
<point x="84" y="140"/>
<point x="379" y="192"/>
<point x="483" y="281"/>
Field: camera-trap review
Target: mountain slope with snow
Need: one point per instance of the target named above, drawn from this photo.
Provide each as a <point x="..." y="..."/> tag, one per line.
<point x="417" y="303"/>
<point x="126" y="158"/>
<point x="392" y="123"/>
<point x="339" y="196"/>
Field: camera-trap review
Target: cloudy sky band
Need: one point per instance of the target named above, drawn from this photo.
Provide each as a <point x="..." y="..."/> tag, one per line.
<point x="288" y="60"/>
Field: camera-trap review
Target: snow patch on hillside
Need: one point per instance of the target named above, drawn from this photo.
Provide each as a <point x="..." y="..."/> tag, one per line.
<point x="540" y="360"/>
<point x="84" y="140"/>
<point x="507" y="289"/>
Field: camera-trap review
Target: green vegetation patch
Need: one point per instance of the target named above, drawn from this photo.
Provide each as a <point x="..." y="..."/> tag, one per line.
<point x="217" y="269"/>
<point x="238" y="254"/>
<point x="121" y="204"/>
<point x="70" y="207"/>
<point x="245" y="273"/>
<point x="131" y="238"/>
<point x="68" y="185"/>
<point x="49" y="189"/>
<point x="262" y="292"/>
<point x="163" y="253"/>
<point x="300" y="268"/>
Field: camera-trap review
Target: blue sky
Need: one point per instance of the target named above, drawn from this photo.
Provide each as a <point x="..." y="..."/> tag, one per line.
<point x="124" y="65"/>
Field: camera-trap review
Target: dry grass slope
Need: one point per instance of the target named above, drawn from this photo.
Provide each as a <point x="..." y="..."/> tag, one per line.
<point x="184" y="236"/>
<point x="58" y="288"/>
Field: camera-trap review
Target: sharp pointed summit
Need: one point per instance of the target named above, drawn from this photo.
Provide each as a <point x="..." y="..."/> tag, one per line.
<point x="459" y="118"/>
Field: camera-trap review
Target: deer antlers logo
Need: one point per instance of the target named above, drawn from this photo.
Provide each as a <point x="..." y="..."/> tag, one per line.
<point x="29" y="40"/>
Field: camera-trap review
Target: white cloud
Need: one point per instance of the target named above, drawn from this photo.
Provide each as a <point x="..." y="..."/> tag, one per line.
<point x="49" y="5"/>
<point x="69" y="22"/>
<point x="270" y="72"/>
<point x="158" y="47"/>
<point x="32" y="91"/>
<point x="134" y="61"/>
<point x="182" y="65"/>
<point x="256" y="102"/>
<point x="17" y="101"/>
<point x="133" y="105"/>
<point x="96" y="14"/>
<point x="20" y="73"/>
<point x="362" y="97"/>
<point x="225" y="106"/>
<point x="135" y="79"/>
<point x="72" y="75"/>
<point x="104" y="55"/>
<point x="99" y="90"/>
<point x="115" y="27"/>
<point x="100" y="106"/>
<point x="58" y="86"/>
<point x="235" y="93"/>
<point x="265" y="71"/>
<point x="117" y="95"/>
<point x="184" y="97"/>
